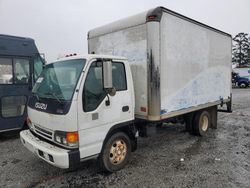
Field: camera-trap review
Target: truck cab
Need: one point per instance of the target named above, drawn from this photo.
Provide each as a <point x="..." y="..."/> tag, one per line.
<point x="82" y="107"/>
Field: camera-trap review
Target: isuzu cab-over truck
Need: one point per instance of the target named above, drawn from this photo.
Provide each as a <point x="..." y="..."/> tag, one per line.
<point x="172" y="69"/>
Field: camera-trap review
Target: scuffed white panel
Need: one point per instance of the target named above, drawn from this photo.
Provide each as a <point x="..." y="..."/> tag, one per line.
<point x="130" y="43"/>
<point x="195" y="64"/>
<point x="208" y="86"/>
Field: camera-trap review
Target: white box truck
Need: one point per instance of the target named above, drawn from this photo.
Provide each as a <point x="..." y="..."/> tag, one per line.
<point x="172" y="68"/>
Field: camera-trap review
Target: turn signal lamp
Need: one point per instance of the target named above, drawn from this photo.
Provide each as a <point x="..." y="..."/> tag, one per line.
<point x="72" y="137"/>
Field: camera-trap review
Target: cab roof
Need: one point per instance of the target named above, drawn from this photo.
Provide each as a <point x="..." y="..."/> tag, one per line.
<point x="92" y="56"/>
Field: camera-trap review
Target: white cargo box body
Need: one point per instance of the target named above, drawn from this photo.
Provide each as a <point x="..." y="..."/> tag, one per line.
<point x="178" y="65"/>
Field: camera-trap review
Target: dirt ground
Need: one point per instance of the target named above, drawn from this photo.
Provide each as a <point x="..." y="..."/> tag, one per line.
<point x="220" y="159"/>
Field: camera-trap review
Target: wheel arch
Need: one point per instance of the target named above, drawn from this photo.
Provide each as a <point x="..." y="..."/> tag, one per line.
<point x="126" y="127"/>
<point x="190" y="118"/>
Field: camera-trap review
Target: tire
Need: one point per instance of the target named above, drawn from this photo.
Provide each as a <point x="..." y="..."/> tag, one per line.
<point x="243" y="85"/>
<point x="116" y="152"/>
<point x="202" y="121"/>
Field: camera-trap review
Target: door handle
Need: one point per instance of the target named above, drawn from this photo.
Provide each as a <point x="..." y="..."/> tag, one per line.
<point x="125" y="108"/>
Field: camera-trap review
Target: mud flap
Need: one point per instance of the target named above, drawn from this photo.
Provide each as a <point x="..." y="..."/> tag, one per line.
<point x="188" y="118"/>
<point x="229" y="104"/>
<point x="214" y="117"/>
<point x="74" y="159"/>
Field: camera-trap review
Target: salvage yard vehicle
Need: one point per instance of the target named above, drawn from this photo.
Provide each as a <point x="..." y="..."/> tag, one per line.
<point x="20" y="66"/>
<point x="239" y="81"/>
<point x="243" y="72"/>
<point x="172" y="69"/>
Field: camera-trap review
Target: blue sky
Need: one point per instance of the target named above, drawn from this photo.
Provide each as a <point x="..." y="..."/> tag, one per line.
<point x="60" y="26"/>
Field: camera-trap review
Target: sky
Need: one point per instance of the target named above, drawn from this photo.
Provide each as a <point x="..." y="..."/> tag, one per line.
<point x="60" y="27"/>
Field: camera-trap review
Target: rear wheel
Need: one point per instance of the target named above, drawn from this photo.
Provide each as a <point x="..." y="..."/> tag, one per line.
<point x="202" y="121"/>
<point x="116" y="152"/>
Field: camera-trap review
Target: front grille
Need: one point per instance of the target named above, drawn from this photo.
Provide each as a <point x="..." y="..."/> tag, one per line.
<point x="43" y="132"/>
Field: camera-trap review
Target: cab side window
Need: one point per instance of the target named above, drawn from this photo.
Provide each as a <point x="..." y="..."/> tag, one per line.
<point x="21" y="71"/>
<point x="119" y="76"/>
<point x="93" y="92"/>
<point x="14" y="71"/>
<point x="6" y="71"/>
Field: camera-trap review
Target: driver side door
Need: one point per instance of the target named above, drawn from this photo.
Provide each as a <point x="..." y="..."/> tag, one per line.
<point x="98" y="111"/>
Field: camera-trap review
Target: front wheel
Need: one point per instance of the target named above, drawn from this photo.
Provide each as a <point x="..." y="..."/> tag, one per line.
<point x="116" y="152"/>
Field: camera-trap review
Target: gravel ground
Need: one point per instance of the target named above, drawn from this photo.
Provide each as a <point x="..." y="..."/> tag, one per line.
<point x="220" y="159"/>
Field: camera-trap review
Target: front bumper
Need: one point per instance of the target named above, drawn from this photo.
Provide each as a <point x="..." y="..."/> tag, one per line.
<point x="52" y="154"/>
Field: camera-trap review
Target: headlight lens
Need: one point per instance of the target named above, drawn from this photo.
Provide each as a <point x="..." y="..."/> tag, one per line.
<point x="70" y="139"/>
<point x="58" y="138"/>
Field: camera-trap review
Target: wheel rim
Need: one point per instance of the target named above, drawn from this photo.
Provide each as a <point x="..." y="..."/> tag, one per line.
<point x="118" y="152"/>
<point x="204" y="123"/>
<point x="242" y="85"/>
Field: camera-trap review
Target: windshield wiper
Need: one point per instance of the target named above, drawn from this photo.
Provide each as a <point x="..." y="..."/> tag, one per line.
<point x="55" y="96"/>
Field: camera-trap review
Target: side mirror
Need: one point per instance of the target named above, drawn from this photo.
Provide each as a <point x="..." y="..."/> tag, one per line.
<point x="42" y="56"/>
<point x="107" y="77"/>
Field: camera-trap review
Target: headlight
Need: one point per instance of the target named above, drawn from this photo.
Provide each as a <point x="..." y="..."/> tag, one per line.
<point x="70" y="139"/>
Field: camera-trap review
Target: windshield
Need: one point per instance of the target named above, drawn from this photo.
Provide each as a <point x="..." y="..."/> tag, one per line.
<point x="58" y="80"/>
